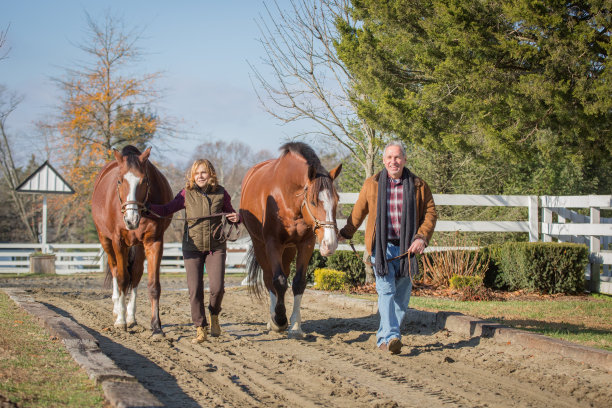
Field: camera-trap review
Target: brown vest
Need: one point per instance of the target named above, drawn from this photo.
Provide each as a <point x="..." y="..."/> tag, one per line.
<point x="198" y="234"/>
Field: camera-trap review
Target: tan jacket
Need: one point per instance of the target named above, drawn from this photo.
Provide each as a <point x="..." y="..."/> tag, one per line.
<point x="366" y="203"/>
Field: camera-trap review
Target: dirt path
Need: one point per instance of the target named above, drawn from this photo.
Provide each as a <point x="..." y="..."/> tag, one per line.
<point x="335" y="365"/>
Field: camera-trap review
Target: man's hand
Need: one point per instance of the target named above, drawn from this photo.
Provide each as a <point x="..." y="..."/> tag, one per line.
<point x="417" y="246"/>
<point x="340" y="238"/>
<point x="233" y="217"/>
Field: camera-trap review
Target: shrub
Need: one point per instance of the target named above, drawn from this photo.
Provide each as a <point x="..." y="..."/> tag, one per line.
<point x="460" y="282"/>
<point x="316" y="261"/>
<point x="330" y="279"/>
<point x="546" y="267"/>
<point x="346" y="261"/>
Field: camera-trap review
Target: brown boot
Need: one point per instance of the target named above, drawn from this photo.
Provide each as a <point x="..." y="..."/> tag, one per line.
<point x="200" y="335"/>
<point x="395" y="346"/>
<point x="215" y="329"/>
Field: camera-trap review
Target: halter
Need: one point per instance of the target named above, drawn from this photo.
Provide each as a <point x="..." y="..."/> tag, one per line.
<point x="140" y="205"/>
<point x="317" y="222"/>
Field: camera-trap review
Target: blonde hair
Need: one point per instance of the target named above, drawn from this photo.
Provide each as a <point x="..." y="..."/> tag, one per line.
<point x="212" y="182"/>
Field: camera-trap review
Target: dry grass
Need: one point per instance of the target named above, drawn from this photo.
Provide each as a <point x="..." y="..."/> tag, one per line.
<point x="35" y="369"/>
<point x="440" y="266"/>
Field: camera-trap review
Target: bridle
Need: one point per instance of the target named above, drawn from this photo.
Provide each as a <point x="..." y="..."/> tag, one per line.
<point x="140" y="205"/>
<point x="317" y="223"/>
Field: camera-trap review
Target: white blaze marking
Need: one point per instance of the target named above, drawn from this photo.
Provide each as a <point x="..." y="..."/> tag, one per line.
<point x="131" y="210"/>
<point x="330" y="241"/>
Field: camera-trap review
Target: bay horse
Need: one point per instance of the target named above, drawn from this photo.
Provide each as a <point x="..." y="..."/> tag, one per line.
<point x="286" y="205"/>
<point x="121" y="190"/>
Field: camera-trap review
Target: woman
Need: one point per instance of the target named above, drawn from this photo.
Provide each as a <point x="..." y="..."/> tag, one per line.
<point x="202" y="246"/>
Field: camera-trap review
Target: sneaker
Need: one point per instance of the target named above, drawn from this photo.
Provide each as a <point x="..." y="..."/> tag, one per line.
<point x="395" y="346"/>
<point x="200" y="335"/>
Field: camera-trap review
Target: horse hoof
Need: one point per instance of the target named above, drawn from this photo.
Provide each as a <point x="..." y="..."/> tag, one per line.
<point x="158" y="333"/>
<point x="295" y="334"/>
<point x="131" y="324"/>
<point x="121" y="326"/>
<point x="274" y="327"/>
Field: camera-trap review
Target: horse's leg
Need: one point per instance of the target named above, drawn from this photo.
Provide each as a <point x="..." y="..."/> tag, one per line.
<point x="268" y="257"/>
<point x="295" y="320"/>
<point x="107" y="246"/>
<point x="120" y="284"/>
<point x="154" y="251"/>
<point x="137" y="270"/>
<point x="279" y="283"/>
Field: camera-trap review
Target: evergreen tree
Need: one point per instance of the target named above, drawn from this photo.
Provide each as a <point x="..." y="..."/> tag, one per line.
<point x="521" y="87"/>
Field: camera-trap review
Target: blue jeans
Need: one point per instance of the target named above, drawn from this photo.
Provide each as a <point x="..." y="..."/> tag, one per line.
<point x="393" y="297"/>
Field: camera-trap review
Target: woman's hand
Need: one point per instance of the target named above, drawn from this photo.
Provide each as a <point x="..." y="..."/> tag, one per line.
<point x="233" y="217"/>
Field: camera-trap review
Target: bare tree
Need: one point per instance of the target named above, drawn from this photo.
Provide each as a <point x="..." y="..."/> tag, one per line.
<point x="308" y="80"/>
<point x="8" y="103"/>
<point x="3" y="34"/>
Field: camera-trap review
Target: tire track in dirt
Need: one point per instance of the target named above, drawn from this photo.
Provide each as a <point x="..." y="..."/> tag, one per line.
<point x="335" y="364"/>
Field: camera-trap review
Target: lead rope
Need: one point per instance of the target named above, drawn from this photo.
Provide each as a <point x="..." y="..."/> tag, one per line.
<point x="220" y="233"/>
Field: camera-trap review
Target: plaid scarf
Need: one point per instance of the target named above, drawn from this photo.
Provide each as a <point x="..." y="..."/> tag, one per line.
<point x="408" y="265"/>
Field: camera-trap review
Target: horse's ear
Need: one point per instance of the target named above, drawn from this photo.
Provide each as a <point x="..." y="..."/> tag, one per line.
<point x="335" y="172"/>
<point x="145" y="155"/>
<point x="118" y="155"/>
<point x="312" y="173"/>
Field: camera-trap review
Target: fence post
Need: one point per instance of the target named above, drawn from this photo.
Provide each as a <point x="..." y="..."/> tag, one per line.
<point x="533" y="219"/>
<point x="546" y="219"/>
<point x="595" y="247"/>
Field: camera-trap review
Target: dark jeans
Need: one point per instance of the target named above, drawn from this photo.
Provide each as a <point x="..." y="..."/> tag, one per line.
<point x="215" y="268"/>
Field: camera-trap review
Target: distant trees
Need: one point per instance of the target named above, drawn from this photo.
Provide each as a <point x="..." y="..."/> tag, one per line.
<point x="21" y="220"/>
<point x="231" y="161"/>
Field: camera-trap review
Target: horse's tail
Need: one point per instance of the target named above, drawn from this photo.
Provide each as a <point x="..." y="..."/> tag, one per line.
<point x="108" y="276"/>
<point x="254" y="273"/>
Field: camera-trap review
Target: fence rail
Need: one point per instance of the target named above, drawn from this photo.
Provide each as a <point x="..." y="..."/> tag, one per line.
<point x="570" y="226"/>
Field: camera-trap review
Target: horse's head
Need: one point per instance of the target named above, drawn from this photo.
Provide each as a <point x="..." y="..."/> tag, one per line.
<point x="133" y="183"/>
<point x="319" y="208"/>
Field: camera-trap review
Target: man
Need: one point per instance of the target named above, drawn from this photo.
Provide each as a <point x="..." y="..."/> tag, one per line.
<point x="401" y="224"/>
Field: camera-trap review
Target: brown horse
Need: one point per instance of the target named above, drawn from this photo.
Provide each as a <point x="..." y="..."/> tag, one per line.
<point x="286" y="204"/>
<point x="121" y="190"/>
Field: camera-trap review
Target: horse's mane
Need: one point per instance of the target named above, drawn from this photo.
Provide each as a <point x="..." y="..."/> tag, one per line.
<point x="322" y="179"/>
<point x="131" y="154"/>
<point x="303" y="150"/>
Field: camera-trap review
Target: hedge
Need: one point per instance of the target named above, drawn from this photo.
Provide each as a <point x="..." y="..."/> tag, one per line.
<point x="546" y="267"/>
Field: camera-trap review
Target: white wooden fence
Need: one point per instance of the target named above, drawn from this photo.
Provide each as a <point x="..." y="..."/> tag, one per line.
<point x="570" y="226"/>
<point x="83" y="258"/>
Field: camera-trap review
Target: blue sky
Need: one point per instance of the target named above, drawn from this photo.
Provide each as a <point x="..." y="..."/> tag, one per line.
<point x="202" y="48"/>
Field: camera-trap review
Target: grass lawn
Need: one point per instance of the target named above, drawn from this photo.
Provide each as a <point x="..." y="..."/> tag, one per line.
<point x="35" y="369"/>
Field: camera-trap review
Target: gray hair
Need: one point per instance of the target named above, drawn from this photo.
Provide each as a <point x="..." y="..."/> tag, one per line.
<point x="398" y="144"/>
